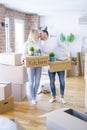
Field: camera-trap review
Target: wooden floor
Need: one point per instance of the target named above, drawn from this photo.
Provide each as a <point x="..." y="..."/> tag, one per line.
<point x="28" y="115"/>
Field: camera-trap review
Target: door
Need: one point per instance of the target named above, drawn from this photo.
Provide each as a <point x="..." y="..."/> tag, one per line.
<point x="19" y="35"/>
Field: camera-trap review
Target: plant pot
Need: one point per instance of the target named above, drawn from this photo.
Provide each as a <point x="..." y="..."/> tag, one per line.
<point x="31" y="53"/>
<point x="52" y="58"/>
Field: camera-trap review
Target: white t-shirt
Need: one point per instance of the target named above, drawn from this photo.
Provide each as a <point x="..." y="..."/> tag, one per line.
<point x="52" y="44"/>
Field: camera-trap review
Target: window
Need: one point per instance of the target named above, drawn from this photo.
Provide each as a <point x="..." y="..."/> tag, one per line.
<point x="8" y="49"/>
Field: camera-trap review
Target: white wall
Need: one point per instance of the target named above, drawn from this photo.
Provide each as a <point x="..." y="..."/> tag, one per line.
<point x="66" y="23"/>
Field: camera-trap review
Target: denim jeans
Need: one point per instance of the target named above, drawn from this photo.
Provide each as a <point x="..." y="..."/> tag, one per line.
<point x="61" y="75"/>
<point x="34" y="75"/>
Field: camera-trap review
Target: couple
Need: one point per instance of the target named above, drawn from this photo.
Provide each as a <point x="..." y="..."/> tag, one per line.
<point x="35" y="39"/>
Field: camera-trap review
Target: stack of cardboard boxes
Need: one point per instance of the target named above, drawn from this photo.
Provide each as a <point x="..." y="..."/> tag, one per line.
<point x="12" y="71"/>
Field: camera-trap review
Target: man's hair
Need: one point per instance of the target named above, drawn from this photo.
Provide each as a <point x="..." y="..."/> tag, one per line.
<point x="45" y="31"/>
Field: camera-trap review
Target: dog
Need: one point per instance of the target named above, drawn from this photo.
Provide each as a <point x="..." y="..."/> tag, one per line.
<point x="44" y="87"/>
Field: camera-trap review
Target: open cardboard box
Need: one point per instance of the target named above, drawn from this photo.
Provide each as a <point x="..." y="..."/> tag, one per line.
<point x="60" y="65"/>
<point x="66" y="119"/>
<point x="36" y="61"/>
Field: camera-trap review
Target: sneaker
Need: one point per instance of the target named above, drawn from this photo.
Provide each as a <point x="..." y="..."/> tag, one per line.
<point x="33" y="101"/>
<point x="52" y="100"/>
<point x="62" y="101"/>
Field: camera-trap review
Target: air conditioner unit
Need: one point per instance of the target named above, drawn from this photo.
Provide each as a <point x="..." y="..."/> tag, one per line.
<point x="83" y="20"/>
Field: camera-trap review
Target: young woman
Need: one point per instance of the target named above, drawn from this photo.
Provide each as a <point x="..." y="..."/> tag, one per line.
<point x="34" y="74"/>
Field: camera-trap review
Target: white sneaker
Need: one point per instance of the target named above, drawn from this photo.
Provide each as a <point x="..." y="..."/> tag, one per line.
<point x="52" y="100"/>
<point x="62" y="101"/>
<point x="33" y="101"/>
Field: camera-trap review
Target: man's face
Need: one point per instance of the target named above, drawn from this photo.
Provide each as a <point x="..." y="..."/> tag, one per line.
<point x="42" y="35"/>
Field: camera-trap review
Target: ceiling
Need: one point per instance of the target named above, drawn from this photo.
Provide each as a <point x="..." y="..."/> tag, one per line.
<point x="47" y="7"/>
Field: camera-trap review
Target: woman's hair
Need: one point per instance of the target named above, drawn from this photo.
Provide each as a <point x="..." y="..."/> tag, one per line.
<point x="33" y="35"/>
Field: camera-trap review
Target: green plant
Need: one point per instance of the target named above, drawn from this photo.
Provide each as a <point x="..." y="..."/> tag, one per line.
<point x="62" y="37"/>
<point x="38" y="51"/>
<point x="70" y="37"/>
<point x="31" y="48"/>
<point x="51" y="54"/>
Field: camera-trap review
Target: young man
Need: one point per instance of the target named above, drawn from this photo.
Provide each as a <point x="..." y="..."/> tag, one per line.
<point x="52" y="44"/>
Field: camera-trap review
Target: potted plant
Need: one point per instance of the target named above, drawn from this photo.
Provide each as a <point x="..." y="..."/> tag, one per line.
<point x="51" y="56"/>
<point x="38" y="52"/>
<point x="31" y="50"/>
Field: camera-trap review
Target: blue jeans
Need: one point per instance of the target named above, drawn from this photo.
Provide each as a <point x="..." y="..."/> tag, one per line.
<point x="34" y="75"/>
<point x="61" y="75"/>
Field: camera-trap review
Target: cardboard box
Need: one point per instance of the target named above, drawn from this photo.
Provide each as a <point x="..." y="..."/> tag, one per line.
<point x="10" y="58"/>
<point x="60" y="65"/>
<point x="73" y="71"/>
<point x="19" y="91"/>
<point x="66" y="119"/>
<point x="79" y="63"/>
<point x="36" y="61"/>
<point x="13" y="74"/>
<point x="75" y="66"/>
<point x="82" y="60"/>
<point x="6" y="104"/>
<point x="5" y="90"/>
